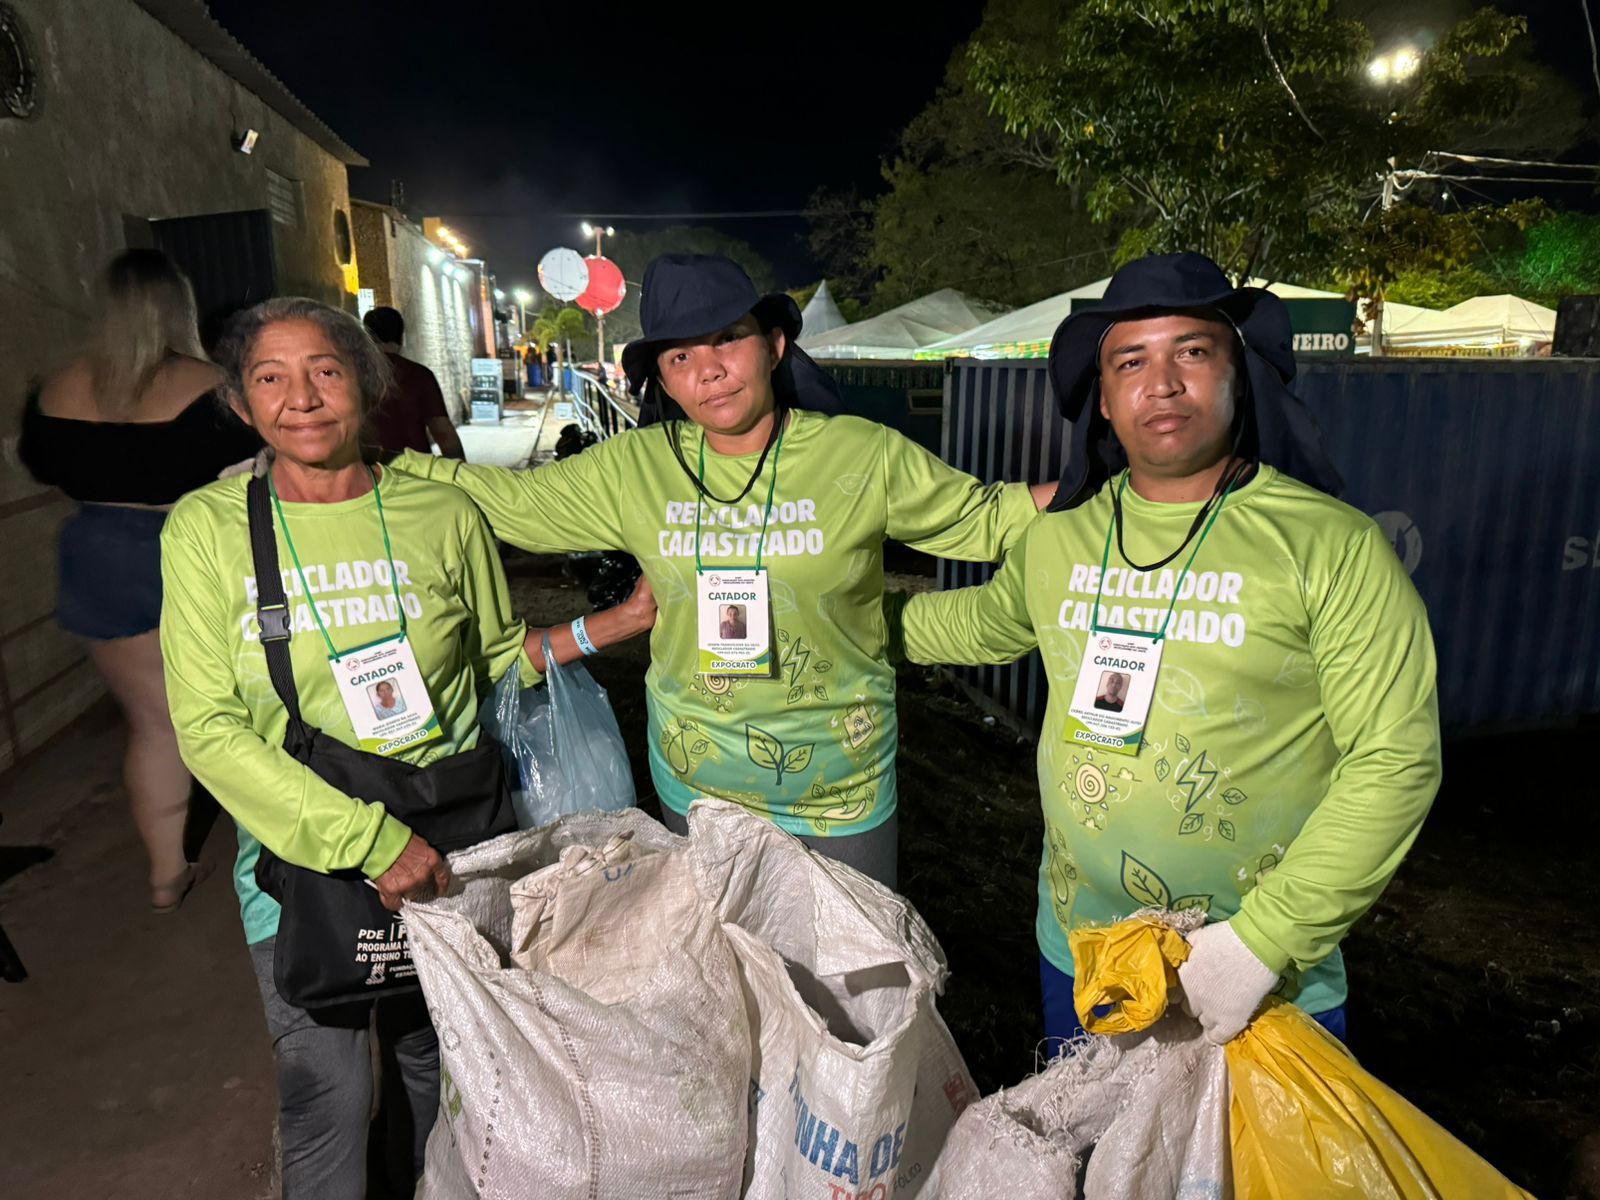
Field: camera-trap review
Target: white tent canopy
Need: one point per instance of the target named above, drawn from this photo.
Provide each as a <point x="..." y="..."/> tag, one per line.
<point x="900" y="332"/>
<point x="1027" y="331"/>
<point x="1480" y="321"/>
<point x="821" y="315"/>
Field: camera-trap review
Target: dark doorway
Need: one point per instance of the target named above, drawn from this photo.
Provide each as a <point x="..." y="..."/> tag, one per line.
<point x="228" y="257"/>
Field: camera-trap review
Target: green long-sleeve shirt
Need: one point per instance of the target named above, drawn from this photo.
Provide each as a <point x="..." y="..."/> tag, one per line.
<point x="1293" y="747"/>
<point x="812" y="749"/>
<point x="230" y="722"/>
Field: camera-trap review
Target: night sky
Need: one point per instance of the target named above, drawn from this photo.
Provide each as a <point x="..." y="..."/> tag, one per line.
<point x="499" y="118"/>
<point x="498" y="122"/>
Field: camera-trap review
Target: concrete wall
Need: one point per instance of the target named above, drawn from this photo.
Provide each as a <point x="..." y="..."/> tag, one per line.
<point x="129" y="121"/>
<point x="396" y="264"/>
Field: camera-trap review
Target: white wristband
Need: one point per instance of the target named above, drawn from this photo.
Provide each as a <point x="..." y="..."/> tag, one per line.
<point x="581" y="636"/>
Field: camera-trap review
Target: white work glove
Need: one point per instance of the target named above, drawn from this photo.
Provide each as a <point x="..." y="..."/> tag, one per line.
<point x="1223" y="982"/>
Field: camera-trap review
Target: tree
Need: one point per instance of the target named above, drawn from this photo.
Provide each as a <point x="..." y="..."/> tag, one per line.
<point x="632" y="250"/>
<point x="840" y="242"/>
<point x="562" y="325"/>
<point x="1250" y="131"/>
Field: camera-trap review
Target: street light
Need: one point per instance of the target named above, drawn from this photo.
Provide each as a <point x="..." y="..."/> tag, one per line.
<point x="598" y="232"/>
<point x="1395" y="67"/>
<point x="523" y="297"/>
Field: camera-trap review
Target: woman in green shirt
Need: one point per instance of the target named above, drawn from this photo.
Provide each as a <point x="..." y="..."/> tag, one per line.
<point x="365" y="555"/>
<point x="745" y="481"/>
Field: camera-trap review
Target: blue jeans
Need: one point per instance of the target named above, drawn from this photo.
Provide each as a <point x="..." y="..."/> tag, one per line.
<point x="1061" y="1016"/>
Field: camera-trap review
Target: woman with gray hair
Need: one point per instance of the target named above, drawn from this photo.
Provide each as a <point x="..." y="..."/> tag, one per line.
<point x="382" y="575"/>
<point x="124" y="429"/>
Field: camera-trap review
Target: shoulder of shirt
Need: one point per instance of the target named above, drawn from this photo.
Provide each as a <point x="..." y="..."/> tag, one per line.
<point x="1325" y="515"/>
<point x="439" y="494"/>
<point x="217" y="501"/>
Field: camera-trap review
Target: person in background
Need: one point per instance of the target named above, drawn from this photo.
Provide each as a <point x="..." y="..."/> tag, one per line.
<point x="531" y="363"/>
<point x="128" y="426"/>
<point x="413" y="409"/>
<point x="552" y="356"/>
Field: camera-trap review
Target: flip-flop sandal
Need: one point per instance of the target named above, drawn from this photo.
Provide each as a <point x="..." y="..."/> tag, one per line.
<point x="192" y="874"/>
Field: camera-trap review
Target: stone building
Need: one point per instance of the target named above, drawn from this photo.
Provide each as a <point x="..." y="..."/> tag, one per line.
<point x="122" y="123"/>
<point x="439" y="297"/>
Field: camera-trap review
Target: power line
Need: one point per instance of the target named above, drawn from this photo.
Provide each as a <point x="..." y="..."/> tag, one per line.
<point x="1514" y="162"/>
<point x="591" y="215"/>
<point x="1414" y="175"/>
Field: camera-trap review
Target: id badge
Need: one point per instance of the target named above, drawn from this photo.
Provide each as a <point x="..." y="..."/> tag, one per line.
<point x="735" y="626"/>
<point x="384" y="693"/>
<point x="1115" y="688"/>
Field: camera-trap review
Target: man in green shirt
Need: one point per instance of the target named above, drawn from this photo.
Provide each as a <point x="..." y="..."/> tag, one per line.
<point x="1275" y="746"/>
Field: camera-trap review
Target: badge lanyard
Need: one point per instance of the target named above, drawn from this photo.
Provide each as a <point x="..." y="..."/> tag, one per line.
<point x="1116" y="682"/>
<point x="741" y="645"/>
<point x="1105" y="559"/>
<point x="382" y="724"/>
<point x="394" y="581"/>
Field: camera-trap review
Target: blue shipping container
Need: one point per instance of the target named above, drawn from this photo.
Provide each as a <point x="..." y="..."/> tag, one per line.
<point x="1485" y="475"/>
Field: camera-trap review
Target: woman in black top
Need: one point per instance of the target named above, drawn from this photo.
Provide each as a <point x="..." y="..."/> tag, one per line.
<point x="126" y="428"/>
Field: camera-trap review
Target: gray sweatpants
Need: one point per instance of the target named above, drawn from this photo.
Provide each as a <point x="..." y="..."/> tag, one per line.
<point x="875" y="853"/>
<point x="325" y="1086"/>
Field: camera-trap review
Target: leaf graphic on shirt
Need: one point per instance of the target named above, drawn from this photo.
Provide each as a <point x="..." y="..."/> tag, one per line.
<point x="797" y="759"/>
<point x="677" y="759"/>
<point x="1143" y="884"/>
<point x="1225" y="828"/>
<point x="1180" y="693"/>
<point x="1234" y="796"/>
<point x="700" y="746"/>
<point x="1182" y="744"/>
<point x="1249" y="715"/>
<point x="1192" y="903"/>
<point x="796" y="693"/>
<point x="822" y="667"/>
<point x="764" y="749"/>
<point x="1191" y="823"/>
<point x="783" y="600"/>
<point x="820" y="692"/>
<point x="1163" y="769"/>
<point x="851" y="485"/>
<point x="1298" y="670"/>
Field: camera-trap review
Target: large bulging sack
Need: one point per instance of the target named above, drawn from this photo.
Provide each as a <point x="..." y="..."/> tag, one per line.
<point x="593" y="1038"/>
<point x="855" y="1079"/>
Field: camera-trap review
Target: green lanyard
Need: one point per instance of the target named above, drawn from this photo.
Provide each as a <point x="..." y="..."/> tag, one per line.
<point x="699" y="500"/>
<point x="394" y="580"/>
<point x="1105" y="558"/>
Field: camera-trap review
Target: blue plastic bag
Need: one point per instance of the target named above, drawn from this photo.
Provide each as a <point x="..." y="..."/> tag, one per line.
<point x="562" y="744"/>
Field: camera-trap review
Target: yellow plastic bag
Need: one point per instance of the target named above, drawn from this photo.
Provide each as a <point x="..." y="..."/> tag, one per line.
<point x="1308" y="1123"/>
<point x="1305" y="1120"/>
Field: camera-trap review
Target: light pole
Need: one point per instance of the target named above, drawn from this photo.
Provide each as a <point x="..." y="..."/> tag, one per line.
<point x="523" y="296"/>
<point x="1386" y="70"/>
<point x="598" y="231"/>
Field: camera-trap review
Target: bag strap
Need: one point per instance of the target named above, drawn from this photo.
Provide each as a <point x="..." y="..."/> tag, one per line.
<point x="272" y="606"/>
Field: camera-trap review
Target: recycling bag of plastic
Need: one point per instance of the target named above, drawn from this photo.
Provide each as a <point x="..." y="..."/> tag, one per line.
<point x="593" y="1040"/>
<point x="1306" y="1121"/>
<point x="562" y="742"/>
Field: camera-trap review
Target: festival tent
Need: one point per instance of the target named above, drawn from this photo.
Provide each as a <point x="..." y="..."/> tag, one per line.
<point x="821" y="315"/>
<point x="1026" y="333"/>
<point x="900" y="332"/>
<point x="1483" y="321"/>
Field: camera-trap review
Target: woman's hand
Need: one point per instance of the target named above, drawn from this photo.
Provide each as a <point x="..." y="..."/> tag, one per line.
<point x="640" y="608"/>
<point x="420" y="873"/>
<point x="635" y="615"/>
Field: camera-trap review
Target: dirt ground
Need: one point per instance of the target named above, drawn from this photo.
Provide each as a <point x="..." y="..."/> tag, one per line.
<point x="135" y="1065"/>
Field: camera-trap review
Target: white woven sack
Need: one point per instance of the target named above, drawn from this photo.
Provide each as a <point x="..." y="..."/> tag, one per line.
<point x="856" y="1080"/>
<point x="1148" y="1110"/>
<point x="592" y="1035"/>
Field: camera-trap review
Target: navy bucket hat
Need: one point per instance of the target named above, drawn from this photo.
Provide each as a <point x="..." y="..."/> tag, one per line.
<point x="1276" y="428"/>
<point x="691" y="295"/>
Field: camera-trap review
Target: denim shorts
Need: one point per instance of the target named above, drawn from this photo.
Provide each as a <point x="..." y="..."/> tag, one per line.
<point x="110" y="572"/>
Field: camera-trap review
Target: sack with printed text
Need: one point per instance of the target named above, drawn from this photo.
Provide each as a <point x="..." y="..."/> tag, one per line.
<point x="593" y="1040"/>
<point x="856" y="1080"/>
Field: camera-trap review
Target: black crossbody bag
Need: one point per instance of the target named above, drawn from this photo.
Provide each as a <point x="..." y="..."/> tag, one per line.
<point x="336" y="943"/>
